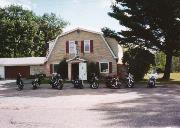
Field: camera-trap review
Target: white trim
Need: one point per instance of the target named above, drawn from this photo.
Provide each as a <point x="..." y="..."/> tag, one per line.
<point x="115" y="57"/>
<point x="22" y="61"/>
<point x="100" y="67"/>
<point x="87" y="41"/>
<point x="76" y="59"/>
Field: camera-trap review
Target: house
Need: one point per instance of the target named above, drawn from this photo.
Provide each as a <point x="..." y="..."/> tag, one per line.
<point x="81" y="45"/>
<point x="78" y="45"/>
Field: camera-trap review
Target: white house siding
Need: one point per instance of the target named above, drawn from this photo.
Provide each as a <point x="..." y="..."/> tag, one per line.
<point x="37" y="69"/>
<point x="2" y="73"/>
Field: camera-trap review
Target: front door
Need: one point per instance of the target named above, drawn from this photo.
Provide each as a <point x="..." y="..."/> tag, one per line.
<point x="75" y="70"/>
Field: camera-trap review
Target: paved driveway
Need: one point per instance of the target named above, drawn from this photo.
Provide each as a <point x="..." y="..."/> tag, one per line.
<point x="102" y="108"/>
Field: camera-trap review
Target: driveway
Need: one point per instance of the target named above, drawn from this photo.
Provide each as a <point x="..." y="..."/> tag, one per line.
<point x="138" y="107"/>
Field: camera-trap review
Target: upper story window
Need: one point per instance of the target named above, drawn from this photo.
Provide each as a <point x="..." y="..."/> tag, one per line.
<point x="87" y="46"/>
<point x="72" y="47"/>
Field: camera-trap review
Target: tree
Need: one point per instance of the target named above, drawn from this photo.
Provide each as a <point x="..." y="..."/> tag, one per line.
<point x="17" y="30"/>
<point x="23" y="33"/>
<point x="152" y="24"/>
<point x="138" y="61"/>
<point x="50" y="26"/>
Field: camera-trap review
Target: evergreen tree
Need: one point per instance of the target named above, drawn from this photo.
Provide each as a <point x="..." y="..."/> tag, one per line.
<point x="152" y="24"/>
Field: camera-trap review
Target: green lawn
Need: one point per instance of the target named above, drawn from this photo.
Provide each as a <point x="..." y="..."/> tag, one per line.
<point x="175" y="79"/>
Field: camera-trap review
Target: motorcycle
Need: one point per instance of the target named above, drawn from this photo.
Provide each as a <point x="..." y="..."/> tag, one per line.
<point x="152" y="80"/>
<point x="57" y="82"/>
<point x="36" y="82"/>
<point x="19" y="82"/>
<point x="78" y="83"/>
<point x="94" y="81"/>
<point x="130" y="81"/>
<point x="113" y="82"/>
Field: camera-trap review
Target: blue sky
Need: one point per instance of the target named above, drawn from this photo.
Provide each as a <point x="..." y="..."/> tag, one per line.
<point x="88" y="14"/>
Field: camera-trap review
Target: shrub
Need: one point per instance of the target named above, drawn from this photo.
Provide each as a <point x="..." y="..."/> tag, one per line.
<point x="63" y="69"/>
<point x="139" y="61"/>
<point x="92" y="68"/>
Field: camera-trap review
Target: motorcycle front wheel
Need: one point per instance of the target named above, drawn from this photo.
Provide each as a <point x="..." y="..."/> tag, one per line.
<point x="60" y="86"/>
<point x="94" y="85"/>
<point x="20" y="87"/>
<point x="81" y="86"/>
<point x="130" y="84"/>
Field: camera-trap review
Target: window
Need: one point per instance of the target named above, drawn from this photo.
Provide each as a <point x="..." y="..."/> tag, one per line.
<point x="104" y="67"/>
<point x="72" y="47"/>
<point x="55" y="68"/>
<point x="87" y="46"/>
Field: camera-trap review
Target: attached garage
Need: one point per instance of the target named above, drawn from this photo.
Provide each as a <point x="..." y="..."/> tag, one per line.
<point x="12" y="71"/>
<point x="10" y="67"/>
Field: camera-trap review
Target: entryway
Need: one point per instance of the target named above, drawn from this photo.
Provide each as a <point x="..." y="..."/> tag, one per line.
<point x="73" y="67"/>
<point x="74" y="70"/>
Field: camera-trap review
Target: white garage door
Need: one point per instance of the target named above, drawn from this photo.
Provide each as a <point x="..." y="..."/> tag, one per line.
<point x="2" y="72"/>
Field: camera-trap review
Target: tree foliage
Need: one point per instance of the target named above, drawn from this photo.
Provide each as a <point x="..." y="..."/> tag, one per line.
<point x="160" y="59"/>
<point x="153" y="24"/>
<point x="138" y="61"/>
<point x="22" y="34"/>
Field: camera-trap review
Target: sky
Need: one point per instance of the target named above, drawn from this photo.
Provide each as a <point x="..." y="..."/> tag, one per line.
<point x="87" y="14"/>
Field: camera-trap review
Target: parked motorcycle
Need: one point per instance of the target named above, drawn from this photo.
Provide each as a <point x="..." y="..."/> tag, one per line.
<point x="130" y="81"/>
<point x="19" y="82"/>
<point x="113" y="82"/>
<point x="94" y="81"/>
<point x="36" y="82"/>
<point x="78" y="83"/>
<point x="152" y="80"/>
<point x="56" y="81"/>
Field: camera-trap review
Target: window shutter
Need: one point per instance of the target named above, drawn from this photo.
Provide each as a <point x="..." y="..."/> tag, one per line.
<point x="67" y="46"/>
<point x="51" y="68"/>
<point x="110" y="67"/>
<point x="97" y="64"/>
<point x="76" y="42"/>
<point x="82" y="46"/>
<point x="91" y="46"/>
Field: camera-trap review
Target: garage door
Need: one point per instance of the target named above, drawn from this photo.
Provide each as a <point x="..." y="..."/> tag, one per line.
<point x="12" y="71"/>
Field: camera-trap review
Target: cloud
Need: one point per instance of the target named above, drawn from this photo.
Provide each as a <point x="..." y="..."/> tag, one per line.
<point x="107" y="3"/>
<point x="27" y="4"/>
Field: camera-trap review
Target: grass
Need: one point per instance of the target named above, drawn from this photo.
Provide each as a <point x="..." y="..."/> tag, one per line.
<point x="174" y="79"/>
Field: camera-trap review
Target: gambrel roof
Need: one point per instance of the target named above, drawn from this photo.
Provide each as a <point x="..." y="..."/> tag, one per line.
<point x="81" y="29"/>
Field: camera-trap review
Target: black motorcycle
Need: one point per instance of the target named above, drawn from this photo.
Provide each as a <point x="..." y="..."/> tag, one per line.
<point x="36" y="82"/>
<point x="94" y="81"/>
<point x="152" y="80"/>
<point x="129" y="81"/>
<point x="113" y="82"/>
<point x="78" y="83"/>
<point x="19" y="82"/>
<point x="56" y="82"/>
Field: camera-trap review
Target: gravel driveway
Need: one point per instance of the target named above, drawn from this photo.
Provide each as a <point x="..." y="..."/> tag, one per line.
<point x="138" y="107"/>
